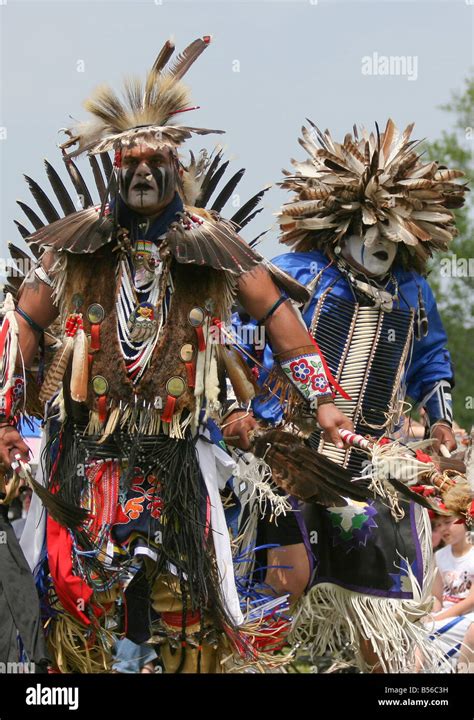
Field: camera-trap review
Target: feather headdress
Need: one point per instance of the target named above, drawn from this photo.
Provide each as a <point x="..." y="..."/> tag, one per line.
<point x="148" y="107"/>
<point x="375" y="186"/>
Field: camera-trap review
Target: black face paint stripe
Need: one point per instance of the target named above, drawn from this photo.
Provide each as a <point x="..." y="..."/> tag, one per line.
<point x="165" y="178"/>
<point x="126" y="180"/>
<point x="159" y="174"/>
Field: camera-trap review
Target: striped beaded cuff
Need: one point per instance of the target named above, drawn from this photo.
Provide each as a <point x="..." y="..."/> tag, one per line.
<point x="10" y="401"/>
<point x="438" y="403"/>
<point x="306" y="372"/>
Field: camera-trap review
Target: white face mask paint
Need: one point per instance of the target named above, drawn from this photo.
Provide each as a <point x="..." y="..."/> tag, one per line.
<point x="147" y="180"/>
<point x="376" y="259"/>
<point x="143" y="194"/>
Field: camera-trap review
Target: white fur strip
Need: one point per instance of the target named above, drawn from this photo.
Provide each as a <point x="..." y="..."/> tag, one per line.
<point x="33" y="537"/>
<point x="216" y="467"/>
<point x="9" y="362"/>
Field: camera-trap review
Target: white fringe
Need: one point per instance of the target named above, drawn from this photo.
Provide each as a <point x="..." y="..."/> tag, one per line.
<point x="146" y="422"/>
<point x="245" y="540"/>
<point x="112" y="423"/>
<point x="60" y="404"/>
<point x="395" y="460"/>
<point x="258" y="475"/>
<point x="262" y="494"/>
<point x="207" y="380"/>
<point x="58" y="277"/>
<point x="212" y="385"/>
<point x="329" y="615"/>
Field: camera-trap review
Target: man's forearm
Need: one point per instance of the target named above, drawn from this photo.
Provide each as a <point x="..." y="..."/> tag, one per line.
<point x="294" y="350"/>
<point x="285" y="329"/>
<point x="28" y="341"/>
<point x="288" y="335"/>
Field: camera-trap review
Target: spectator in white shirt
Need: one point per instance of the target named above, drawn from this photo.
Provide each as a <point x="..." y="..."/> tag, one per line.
<point x="454" y="595"/>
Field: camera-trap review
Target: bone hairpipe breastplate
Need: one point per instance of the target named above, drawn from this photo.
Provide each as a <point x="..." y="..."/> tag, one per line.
<point x="366" y="349"/>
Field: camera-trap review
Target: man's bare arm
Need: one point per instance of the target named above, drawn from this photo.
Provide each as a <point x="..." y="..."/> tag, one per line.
<point x="257" y="293"/>
<point x="35" y="299"/>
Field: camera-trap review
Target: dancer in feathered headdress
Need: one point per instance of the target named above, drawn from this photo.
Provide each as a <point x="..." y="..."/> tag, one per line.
<point x="376" y="187"/>
<point x="136" y="286"/>
<point x="365" y="216"/>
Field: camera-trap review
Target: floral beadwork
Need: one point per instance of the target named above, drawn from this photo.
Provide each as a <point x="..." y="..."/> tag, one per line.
<point x="301" y="371"/>
<point x="306" y="372"/>
<point x="320" y="383"/>
<point x="17" y="388"/>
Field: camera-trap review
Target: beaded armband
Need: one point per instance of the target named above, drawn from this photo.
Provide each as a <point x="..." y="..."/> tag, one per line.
<point x="305" y="369"/>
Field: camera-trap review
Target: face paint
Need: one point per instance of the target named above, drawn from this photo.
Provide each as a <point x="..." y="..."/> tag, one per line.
<point x="148" y="179"/>
<point x="374" y="260"/>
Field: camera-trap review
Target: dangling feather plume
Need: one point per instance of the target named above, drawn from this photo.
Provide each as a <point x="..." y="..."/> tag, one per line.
<point x="239" y="373"/>
<point x="303" y="472"/>
<point x="151" y="107"/>
<point x="56" y="370"/>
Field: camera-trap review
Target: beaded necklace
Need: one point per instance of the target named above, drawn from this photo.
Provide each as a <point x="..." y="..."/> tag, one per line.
<point x="141" y="315"/>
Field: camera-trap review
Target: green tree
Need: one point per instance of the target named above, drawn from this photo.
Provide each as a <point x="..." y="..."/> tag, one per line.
<point x="450" y="278"/>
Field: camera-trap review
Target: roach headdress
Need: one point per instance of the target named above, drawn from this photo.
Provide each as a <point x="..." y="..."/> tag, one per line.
<point x="145" y="108"/>
<point x="375" y="185"/>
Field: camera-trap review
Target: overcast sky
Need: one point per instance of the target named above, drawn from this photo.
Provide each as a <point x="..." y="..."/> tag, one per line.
<point x="271" y="64"/>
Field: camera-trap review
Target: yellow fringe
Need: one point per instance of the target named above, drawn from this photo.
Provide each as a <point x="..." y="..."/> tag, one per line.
<point x="149" y="426"/>
<point x="68" y="642"/>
